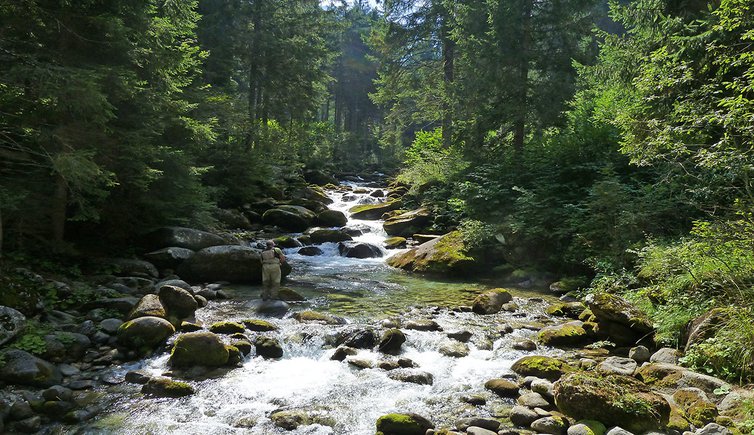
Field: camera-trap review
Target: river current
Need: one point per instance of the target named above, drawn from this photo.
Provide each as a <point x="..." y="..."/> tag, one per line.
<point x="340" y="397"/>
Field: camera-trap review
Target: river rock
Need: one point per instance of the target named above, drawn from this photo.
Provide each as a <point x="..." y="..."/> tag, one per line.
<point x="329" y="236"/>
<point x="673" y="376"/>
<point x="403" y="424"/>
<point x="442" y="256"/>
<point x="395" y="243"/>
<point x="178" y="303"/>
<point x="182" y="238"/>
<point x="110" y="326"/>
<point x="391" y="341"/>
<point x="705" y="326"/>
<point x="71" y="346"/>
<point x="332" y="218"/>
<point x="310" y="251"/>
<point x="533" y="400"/>
<point x="313" y="316"/>
<point x="555" y="425"/>
<point x="198" y="349"/>
<point x="341" y="352"/>
<point x="411" y="375"/>
<point x="608" y="307"/>
<point x="617" y="365"/>
<point x="422" y="325"/>
<point x="566" y="309"/>
<point x="130" y="267"/>
<point x="373" y="211"/>
<point x="268" y="347"/>
<point x="271" y="308"/>
<point x="713" y="429"/>
<point x="585" y="396"/>
<point x="363" y="339"/>
<point x="463" y="336"/>
<point x="259" y="325"/>
<point x="454" y="349"/>
<point x="572" y="333"/>
<point x="290" y="420"/>
<point x="502" y="387"/>
<point x="484" y="423"/>
<point x="144" y="333"/>
<point x="290" y="217"/>
<point x="226" y="327"/>
<point x="359" y="250"/>
<point x="524" y="344"/>
<point x="169" y="258"/>
<point x="12" y="322"/>
<point x="523" y="416"/>
<point x="695" y="406"/>
<point x="543" y="387"/>
<point x="165" y="387"/>
<point x="640" y="354"/>
<point x="541" y="366"/>
<point x="409" y="223"/>
<point x="490" y="302"/>
<point x="666" y="355"/>
<point x="122" y="305"/>
<point x="587" y="427"/>
<point x="233" y="263"/>
<point x="617" y="430"/>
<point x="140" y="377"/>
<point x="22" y="368"/>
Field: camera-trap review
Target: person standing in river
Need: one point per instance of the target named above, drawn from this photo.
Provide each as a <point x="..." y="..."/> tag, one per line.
<point x="272" y="258"/>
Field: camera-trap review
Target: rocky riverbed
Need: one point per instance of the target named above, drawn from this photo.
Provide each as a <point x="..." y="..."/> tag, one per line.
<point x="179" y="342"/>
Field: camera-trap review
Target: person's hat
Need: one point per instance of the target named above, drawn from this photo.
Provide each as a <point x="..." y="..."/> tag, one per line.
<point x="270" y="243"/>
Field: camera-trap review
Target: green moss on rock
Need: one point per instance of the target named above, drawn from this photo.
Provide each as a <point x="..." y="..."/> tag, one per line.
<point x="566" y="334"/>
<point x="541" y="367"/>
<point x="226" y="327"/>
<point x="164" y="387"/>
<point x="444" y="255"/>
<point x="373" y="211"/>
<point x="198" y="349"/>
<point x="259" y="325"/>
<point x="403" y="424"/>
<point x="313" y="316"/>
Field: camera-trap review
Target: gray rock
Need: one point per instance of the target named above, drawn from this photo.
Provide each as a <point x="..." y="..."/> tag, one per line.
<point x="523" y="416"/>
<point x="20" y="410"/>
<point x="713" y="429"/>
<point x="138" y="377"/>
<point x="542" y="387"/>
<point x="453" y="348"/>
<point x="272" y="308"/>
<point x="178" y="303"/>
<point x="666" y="355"/>
<point x="23" y="368"/>
<point x="68" y="370"/>
<point x="617" y="430"/>
<point x="12" y="322"/>
<point x="533" y="400"/>
<point x="171" y="257"/>
<point x="110" y="326"/>
<point x="412" y="376"/>
<point x="583" y="429"/>
<point x="183" y="238"/>
<point x="462" y="336"/>
<point x="640" y="354"/>
<point x="122" y="305"/>
<point x="28" y="425"/>
<point x="474" y="430"/>
<point x="149" y="305"/>
<point x="176" y="283"/>
<point x="488" y="424"/>
<point x="130" y="267"/>
<point x="617" y="365"/>
<point x="524" y="344"/>
<point x="57" y="392"/>
<point x="355" y="249"/>
<point x="550" y="425"/>
<point x="82" y="384"/>
<point x="144" y="333"/>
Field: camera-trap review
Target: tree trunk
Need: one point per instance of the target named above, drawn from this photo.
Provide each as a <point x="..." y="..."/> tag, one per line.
<point x="58" y="216"/>
<point x="448" y="59"/>
<point x="519" y="127"/>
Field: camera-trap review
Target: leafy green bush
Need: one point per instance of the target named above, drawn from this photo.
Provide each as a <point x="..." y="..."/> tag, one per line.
<point x="429" y="163"/>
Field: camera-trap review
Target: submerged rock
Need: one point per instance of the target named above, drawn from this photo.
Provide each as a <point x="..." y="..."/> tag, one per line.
<point x="502" y="387"/>
<point x="310" y="251"/>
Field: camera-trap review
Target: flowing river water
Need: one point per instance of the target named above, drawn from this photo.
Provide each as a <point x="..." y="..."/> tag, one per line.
<point x="349" y="400"/>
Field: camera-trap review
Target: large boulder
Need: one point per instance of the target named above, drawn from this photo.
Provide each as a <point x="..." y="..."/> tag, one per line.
<point x="611" y="308"/>
<point x="144" y="333"/>
<point x="171" y="257"/>
<point x="233" y="263"/>
<point x="286" y="242"/>
<point x="325" y="236"/>
<point x="490" y="302"/>
<point x="332" y="218"/>
<point x="409" y="223"/>
<point x="359" y="250"/>
<point x="130" y="267"/>
<point x="319" y="177"/>
<point x="290" y="217"/>
<point x="12" y="322"/>
<point x="373" y="211"/>
<point x="670" y="376"/>
<point x="182" y="238"/>
<point x="232" y="219"/>
<point x="198" y="349"/>
<point x="403" y="424"/>
<point x="22" y="368"/>
<point x="613" y="400"/>
<point x="391" y="341"/>
<point x="444" y="255"/>
<point x="179" y="303"/>
<point x="567" y="334"/>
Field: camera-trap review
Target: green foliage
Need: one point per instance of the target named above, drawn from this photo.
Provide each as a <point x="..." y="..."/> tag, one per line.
<point x="32" y="339"/>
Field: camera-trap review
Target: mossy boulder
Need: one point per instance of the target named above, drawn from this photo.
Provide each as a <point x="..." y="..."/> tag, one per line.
<point x="502" y="387"/>
<point x="178" y="303"/>
<point x="672" y="377"/>
<point x="329" y="236"/>
<point x="403" y="424"/>
<point x="608" y="307"/>
<point x="491" y="302"/>
<point x="198" y="349"/>
<point x="233" y="263"/>
<point x="148" y="305"/>
<point x="612" y="399"/>
<point x="286" y="242"/>
<point x="394" y="243"/>
<point x="541" y="366"/>
<point x="373" y="211"/>
<point x="566" y="309"/>
<point x="290" y="219"/>
<point x="695" y="407"/>
<point x="444" y="255"/>
<point x="259" y="325"/>
<point x="144" y="333"/>
<point x="408" y="223"/>
<point x="391" y="341"/>
<point x="268" y="347"/>
<point x="313" y="316"/>
<point x="573" y="333"/>
<point x="165" y="387"/>
<point x="569" y="284"/>
<point x="332" y="218"/>
<point x="226" y="327"/>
